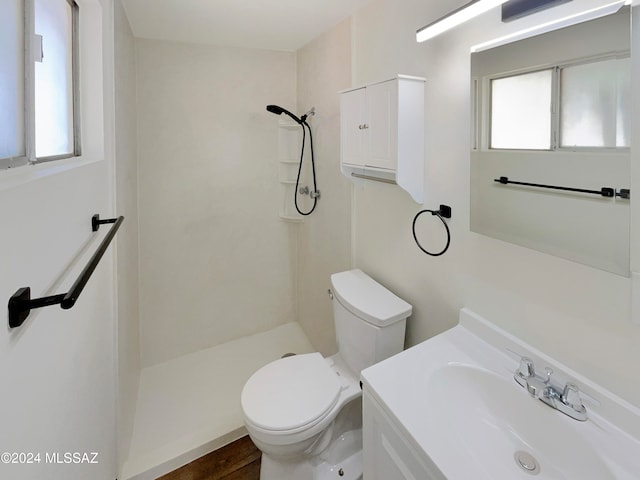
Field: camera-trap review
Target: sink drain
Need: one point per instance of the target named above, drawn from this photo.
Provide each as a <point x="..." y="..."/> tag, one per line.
<point x="527" y="463"/>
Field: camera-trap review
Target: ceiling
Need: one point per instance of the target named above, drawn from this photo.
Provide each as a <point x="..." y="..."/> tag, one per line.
<point x="267" y="24"/>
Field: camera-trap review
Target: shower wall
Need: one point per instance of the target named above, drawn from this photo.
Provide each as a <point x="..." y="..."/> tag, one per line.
<point x="216" y="262"/>
<point x="324" y="68"/>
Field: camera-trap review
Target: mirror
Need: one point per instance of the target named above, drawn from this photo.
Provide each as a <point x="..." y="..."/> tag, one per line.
<point x="550" y="158"/>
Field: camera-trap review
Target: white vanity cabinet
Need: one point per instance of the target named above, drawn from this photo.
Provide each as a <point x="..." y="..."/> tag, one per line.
<point x="382" y="133"/>
<point x="387" y="453"/>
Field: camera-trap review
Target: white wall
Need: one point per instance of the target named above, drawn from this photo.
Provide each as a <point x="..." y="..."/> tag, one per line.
<point x="577" y="314"/>
<point x="57" y="370"/>
<point x="216" y="262"/>
<point x="127" y="239"/>
<point x="324" y="68"/>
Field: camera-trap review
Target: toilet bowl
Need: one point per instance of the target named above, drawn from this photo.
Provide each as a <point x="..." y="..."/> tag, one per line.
<point x="302" y="411"/>
<point x="289" y="404"/>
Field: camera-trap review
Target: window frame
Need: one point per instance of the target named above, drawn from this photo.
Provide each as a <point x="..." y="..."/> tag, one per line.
<point x="483" y="103"/>
<point x="29" y="157"/>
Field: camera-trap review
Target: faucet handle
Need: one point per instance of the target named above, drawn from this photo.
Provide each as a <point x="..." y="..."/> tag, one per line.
<point x="526" y="368"/>
<point x="571" y="396"/>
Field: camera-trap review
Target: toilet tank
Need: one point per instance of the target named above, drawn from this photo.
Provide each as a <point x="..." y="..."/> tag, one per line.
<point x="369" y="320"/>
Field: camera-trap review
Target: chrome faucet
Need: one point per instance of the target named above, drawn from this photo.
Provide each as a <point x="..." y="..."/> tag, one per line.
<point x="565" y="399"/>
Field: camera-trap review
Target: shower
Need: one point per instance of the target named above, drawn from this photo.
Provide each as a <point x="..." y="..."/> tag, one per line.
<point x="302" y="121"/>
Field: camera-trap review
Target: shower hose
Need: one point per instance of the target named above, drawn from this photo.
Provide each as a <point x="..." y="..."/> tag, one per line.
<point x="314" y="193"/>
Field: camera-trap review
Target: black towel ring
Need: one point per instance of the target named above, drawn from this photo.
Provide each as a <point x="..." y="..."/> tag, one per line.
<point x="444" y="212"/>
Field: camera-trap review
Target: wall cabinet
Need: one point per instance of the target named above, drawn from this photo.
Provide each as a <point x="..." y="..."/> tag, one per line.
<point x="382" y="133"/>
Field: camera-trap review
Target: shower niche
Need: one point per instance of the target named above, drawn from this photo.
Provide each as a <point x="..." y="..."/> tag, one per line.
<point x="289" y="144"/>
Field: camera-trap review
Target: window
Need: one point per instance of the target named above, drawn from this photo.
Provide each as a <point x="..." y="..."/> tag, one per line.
<point x="520" y="111"/>
<point x="12" y="121"/>
<point x="591" y="108"/>
<point x="595" y="104"/>
<point x="38" y="87"/>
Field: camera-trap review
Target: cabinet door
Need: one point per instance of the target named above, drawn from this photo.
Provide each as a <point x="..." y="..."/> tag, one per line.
<point x="382" y="121"/>
<point x="385" y="454"/>
<point x="352" y="131"/>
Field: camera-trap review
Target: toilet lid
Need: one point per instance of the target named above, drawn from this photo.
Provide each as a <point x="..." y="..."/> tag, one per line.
<point x="290" y="393"/>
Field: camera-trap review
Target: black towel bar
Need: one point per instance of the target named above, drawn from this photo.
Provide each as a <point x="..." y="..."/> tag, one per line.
<point x="21" y="303"/>
<point x="604" y="191"/>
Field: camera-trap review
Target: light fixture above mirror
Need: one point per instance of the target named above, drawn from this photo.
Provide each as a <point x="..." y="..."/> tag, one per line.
<point x="456" y="17"/>
<point x="573" y="19"/>
<point x="512" y="10"/>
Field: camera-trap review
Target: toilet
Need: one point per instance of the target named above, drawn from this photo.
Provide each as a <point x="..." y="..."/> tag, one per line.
<point x="304" y="411"/>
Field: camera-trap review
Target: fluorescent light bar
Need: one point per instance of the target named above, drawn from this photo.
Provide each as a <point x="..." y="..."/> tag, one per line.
<point x="457" y="17"/>
<point x="567" y="21"/>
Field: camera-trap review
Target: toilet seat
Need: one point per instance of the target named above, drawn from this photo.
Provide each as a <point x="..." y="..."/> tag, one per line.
<point x="291" y="394"/>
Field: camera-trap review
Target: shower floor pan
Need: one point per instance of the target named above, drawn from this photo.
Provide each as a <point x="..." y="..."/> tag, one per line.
<point x="190" y="406"/>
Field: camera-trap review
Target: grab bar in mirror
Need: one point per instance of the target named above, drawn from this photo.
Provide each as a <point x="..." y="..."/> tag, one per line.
<point x="603" y="192"/>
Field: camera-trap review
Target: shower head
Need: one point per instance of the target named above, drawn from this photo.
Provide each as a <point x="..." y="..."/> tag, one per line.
<point x="275" y="109"/>
<point x="279" y="111"/>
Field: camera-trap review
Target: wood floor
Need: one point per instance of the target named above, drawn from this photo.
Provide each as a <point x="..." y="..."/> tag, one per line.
<point x="239" y="460"/>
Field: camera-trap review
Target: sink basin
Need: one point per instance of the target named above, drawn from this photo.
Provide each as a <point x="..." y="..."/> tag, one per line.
<point x="499" y="428"/>
<point x="454" y="401"/>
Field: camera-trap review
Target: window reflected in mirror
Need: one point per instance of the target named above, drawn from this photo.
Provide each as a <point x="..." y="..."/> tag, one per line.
<point x="520" y="111"/>
<point x="595" y="104"/>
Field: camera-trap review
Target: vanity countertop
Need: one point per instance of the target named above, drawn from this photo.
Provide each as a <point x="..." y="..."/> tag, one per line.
<point x="453" y="397"/>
